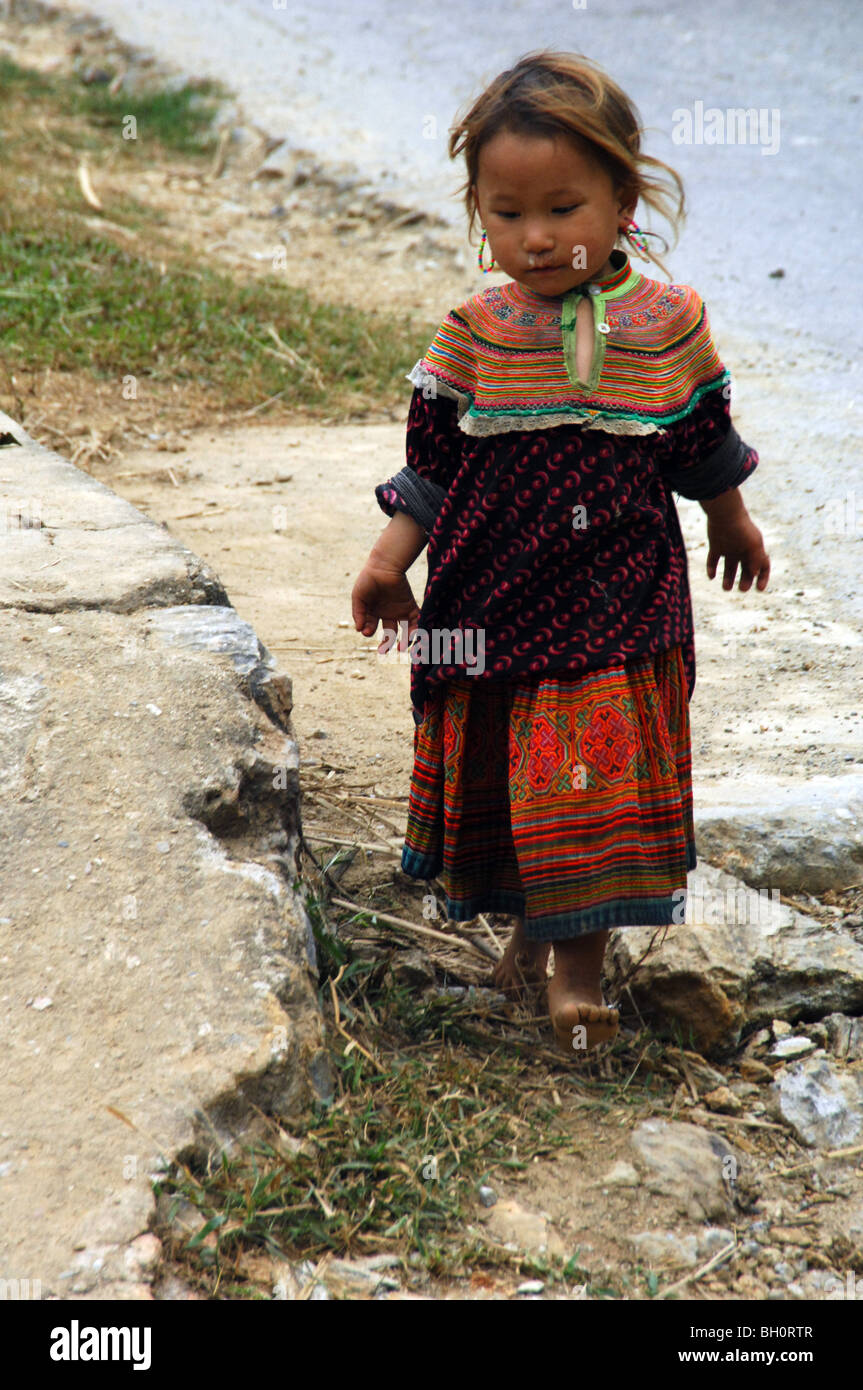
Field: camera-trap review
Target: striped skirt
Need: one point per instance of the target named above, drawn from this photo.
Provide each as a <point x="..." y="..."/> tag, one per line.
<point x="562" y="798"/>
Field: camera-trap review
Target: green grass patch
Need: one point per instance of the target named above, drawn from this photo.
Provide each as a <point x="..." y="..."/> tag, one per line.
<point x="17" y="81"/>
<point x="179" y="118"/>
<point x="72" y="300"/>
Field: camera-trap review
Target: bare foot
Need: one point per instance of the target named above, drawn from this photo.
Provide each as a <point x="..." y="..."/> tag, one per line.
<point x="579" y="1015"/>
<point x="523" y="963"/>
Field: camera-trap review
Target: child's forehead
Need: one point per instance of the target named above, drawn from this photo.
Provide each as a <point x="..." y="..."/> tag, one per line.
<point x="552" y="163"/>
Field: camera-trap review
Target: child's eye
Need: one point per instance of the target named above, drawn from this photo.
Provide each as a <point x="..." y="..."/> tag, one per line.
<point x="571" y="208"/>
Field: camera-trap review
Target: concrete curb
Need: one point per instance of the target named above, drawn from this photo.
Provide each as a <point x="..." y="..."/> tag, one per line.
<point x="157" y="962"/>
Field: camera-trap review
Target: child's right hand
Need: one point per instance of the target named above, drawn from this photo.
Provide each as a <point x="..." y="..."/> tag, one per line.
<point x="382" y="592"/>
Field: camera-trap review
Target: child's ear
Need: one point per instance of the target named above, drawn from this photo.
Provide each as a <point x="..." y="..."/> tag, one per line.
<point x="627" y="202"/>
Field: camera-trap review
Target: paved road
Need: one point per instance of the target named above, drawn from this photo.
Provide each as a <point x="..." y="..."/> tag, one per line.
<point x="359" y="80"/>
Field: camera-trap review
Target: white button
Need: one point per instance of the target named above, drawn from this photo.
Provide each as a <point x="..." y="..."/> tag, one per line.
<point x="593" y="289"/>
<point x="603" y="328"/>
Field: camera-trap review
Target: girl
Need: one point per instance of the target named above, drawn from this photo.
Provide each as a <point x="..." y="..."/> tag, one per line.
<point x="552" y="418"/>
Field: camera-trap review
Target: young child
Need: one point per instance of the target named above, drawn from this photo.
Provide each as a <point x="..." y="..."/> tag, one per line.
<point x="551" y="420"/>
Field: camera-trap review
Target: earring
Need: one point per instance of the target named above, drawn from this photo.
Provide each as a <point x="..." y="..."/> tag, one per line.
<point x="485" y="268"/>
<point x="633" y="233"/>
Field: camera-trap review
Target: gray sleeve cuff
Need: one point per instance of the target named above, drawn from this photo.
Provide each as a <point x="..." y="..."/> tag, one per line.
<point x="727" y="467"/>
<point x="420" y="497"/>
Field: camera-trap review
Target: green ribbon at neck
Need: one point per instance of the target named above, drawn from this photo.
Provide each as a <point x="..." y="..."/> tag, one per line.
<point x="568" y="313"/>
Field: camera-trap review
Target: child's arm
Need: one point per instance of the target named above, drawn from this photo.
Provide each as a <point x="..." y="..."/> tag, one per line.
<point x="382" y="591"/>
<point x="399" y="543"/>
<point x="732" y="532"/>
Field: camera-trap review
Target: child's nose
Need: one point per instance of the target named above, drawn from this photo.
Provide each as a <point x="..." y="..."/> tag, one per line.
<point x="537" y="237"/>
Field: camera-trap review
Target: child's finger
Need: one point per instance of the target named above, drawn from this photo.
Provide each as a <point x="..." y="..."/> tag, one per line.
<point x="712" y="561"/>
<point x="363" y="620"/>
<point x="748" y="572"/>
<point x="764" y="574"/>
<point x="730" y="572"/>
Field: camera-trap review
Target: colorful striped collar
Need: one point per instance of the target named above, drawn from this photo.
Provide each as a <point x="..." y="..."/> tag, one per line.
<point x="508" y="356"/>
<point x="621" y="280"/>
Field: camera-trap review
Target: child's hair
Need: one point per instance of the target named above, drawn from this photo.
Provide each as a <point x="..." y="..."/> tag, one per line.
<point x="566" y="94"/>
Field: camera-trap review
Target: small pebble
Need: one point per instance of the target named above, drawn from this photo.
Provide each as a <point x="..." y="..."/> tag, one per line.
<point x="487" y="1196"/>
<point x="792" y="1047"/>
<point x="531" y="1286"/>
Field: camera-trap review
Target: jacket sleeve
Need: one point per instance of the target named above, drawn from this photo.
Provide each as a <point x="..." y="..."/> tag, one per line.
<point x="433" y="448"/>
<point x="701" y="454"/>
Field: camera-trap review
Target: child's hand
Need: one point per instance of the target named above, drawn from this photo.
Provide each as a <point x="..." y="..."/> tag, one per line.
<point x="739" y="540"/>
<point x="383" y="592"/>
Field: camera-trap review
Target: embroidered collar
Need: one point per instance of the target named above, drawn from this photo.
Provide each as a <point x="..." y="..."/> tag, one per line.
<point x="508" y="356"/>
<point x="619" y="281"/>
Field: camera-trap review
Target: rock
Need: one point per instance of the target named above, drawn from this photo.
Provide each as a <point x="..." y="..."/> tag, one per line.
<point x="723" y="1100"/>
<point x="823" y="1107"/>
<point x="621" y="1175"/>
<point x="414" y="969"/>
<point x="792" y="1046"/>
<point x="666" y="1248"/>
<point x="808" y="838"/>
<point x="730" y="965"/>
<point x="751" y="1070"/>
<point x="745" y="1089"/>
<point x="472" y="994"/>
<point x="174" y="1290"/>
<point x="514" y="1225"/>
<point x="712" y="1240"/>
<point x="791" y="1235"/>
<point x="286" y="1286"/>
<point x="845" y="1036"/>
<point x="364" y="1277"/>
<point x="693" y="1166"/>
<point x="531" y="1286"/>
<point x="781" y="1029"/>
<point x="220" y="629"/>
<point x="487" y="1196"/>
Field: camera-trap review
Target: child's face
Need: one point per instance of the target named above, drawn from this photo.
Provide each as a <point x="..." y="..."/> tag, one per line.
<point x="544" y="203"/>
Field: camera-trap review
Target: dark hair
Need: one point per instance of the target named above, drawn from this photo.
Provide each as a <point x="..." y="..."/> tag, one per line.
<point x="566" y="94"/>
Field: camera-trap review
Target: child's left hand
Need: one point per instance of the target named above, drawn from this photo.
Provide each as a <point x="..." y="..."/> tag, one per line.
<point x="739" y="540"/>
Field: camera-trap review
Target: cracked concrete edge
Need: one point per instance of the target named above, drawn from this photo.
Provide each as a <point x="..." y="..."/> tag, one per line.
<point x="156" y="568"/>
<point x="127" y="1268"/>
